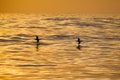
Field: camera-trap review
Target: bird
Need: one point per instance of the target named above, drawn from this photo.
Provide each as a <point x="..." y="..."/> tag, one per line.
<point x="37" y="39"/>
<point x="79" y="41"/>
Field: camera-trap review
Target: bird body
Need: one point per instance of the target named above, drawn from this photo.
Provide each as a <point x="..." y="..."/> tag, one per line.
<point x="79" y="41"/>
<point x="37" y="39"/>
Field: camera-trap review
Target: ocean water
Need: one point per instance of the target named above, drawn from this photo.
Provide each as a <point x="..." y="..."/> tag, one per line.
<point x="59" y="57"/>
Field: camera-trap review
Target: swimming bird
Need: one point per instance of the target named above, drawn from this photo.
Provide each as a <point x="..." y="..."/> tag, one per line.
<point x="79" y="41"/>
<point x="37" y="39"/>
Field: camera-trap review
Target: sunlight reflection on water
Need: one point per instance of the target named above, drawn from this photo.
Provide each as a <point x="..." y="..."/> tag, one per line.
<point x="59" y="57"/>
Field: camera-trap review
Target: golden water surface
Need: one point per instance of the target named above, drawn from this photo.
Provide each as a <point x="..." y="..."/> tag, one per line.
<point x="59" y="57"/>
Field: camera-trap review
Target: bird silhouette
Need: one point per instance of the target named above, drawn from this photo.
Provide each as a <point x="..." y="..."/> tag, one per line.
<point x="79" y="41"/>
<point x="37" y="39"/>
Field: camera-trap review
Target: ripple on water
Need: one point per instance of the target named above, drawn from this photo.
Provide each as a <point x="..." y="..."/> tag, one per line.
<point x="61" y="19"/>
<point x="59" y="57"/>
<point x="61" y="37"/>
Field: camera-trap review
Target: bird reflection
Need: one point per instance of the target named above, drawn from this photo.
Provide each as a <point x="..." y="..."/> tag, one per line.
<point x="37" y="47"/>
<point x="79" y="47"/>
